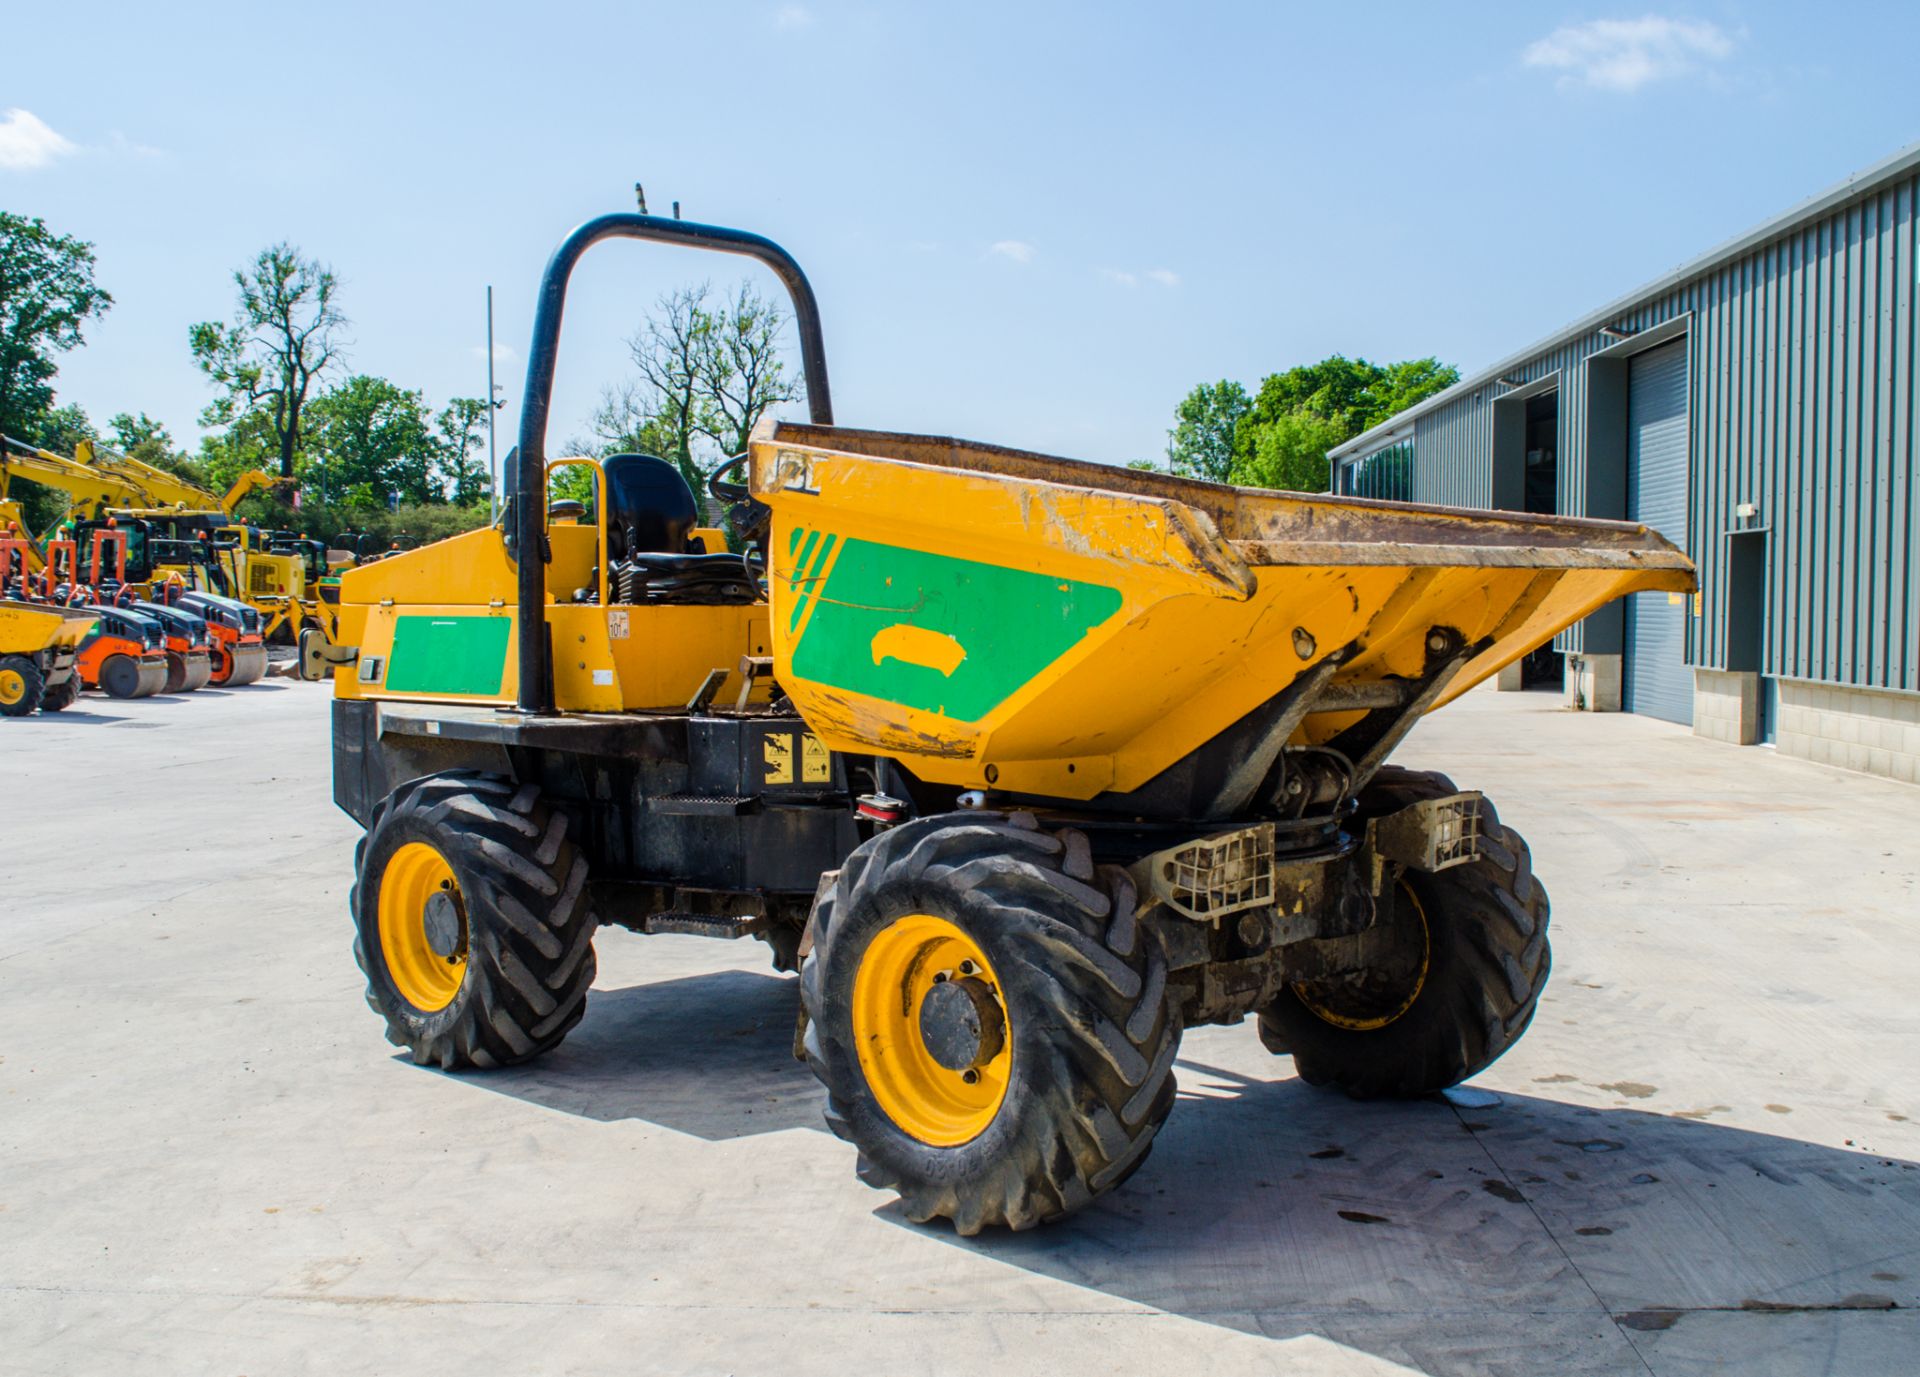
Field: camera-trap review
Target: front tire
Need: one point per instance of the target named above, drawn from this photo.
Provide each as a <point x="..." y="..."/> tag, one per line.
<point x="991" y="1023"/>
<point x="471" y="921"/>
<point x="22" y="686"/>
<point x="1474" y="939"/>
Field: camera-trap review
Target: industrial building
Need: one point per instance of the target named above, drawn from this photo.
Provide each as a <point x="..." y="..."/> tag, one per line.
<point x="1757" y="406"/>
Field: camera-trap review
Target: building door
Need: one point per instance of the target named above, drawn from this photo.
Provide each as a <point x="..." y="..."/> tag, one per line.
<point x="1655" y="679"/>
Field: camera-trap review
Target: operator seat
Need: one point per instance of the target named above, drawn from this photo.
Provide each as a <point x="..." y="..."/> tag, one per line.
<point x="653" y="556"/>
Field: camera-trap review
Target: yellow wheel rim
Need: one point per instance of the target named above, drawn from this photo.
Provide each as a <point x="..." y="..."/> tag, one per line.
<point x="13" y="686"/>
<point x="1375" y="1008"/>
<point x="934" y="1102"/>
<point x="424" y="978"/>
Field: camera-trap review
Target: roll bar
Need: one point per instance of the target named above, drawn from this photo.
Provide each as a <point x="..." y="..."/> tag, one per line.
<point x="529" y="518"/>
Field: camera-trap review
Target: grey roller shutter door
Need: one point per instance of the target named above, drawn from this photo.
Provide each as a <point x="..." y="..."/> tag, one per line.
<point x="1656" y="679"/>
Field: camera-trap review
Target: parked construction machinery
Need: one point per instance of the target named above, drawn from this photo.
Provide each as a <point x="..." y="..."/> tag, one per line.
<point x="177" y="529"/>
<point x="237" y="647"/>
<point x="125" y="654"/>
<point x="39" y="646"/>
<point x="1025" y="764"/>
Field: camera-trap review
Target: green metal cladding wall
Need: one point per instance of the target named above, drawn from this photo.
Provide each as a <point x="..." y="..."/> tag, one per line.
<point x="1801" y="400"/>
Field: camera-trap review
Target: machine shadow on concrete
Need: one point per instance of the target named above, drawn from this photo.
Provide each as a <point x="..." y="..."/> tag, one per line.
<point x="1527" y="1236"/>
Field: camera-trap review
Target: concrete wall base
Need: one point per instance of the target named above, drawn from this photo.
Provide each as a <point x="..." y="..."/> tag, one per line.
<point x="1726" y="706"/>
<point x="1511" y="679"/>
<point x="1593" y="682"/>
<point x="1857" y="729"/>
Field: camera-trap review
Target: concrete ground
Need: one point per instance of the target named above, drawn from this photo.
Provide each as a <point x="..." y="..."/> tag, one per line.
<point x="1702" y="1159"/>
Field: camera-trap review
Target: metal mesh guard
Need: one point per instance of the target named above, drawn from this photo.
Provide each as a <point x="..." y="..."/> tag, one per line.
<point x="1456" y="833"/>
<point x="1221" y="875"/>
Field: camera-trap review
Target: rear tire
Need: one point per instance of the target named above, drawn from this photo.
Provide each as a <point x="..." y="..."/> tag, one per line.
<point x="1085" y="1023"/>
<point x="1487" y="961"/>
<point x="62" y="695"/>
<point x="525" y="932"/>
<point x="22" y="686"/>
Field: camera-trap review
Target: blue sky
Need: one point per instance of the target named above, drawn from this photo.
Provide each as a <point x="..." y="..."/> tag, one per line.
<point x="1033" y="224"/>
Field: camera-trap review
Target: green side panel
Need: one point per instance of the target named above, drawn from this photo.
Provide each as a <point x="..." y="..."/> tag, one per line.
<point x="946" y="635"/>
<point x="449" y="655"/>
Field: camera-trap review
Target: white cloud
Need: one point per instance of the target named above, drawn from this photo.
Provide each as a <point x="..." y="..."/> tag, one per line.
<point x="501" y="353"/>
<point x="793" y="17"/>
<point x="120" y="143"/>
<point x="1626" y="54"/>
<point x="26" y="142"/>
<point x="1160" y="277"/>
<point x="1017" y="250"/>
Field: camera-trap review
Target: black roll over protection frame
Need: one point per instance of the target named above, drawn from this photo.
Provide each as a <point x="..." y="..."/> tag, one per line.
<point x="529" y="517"/>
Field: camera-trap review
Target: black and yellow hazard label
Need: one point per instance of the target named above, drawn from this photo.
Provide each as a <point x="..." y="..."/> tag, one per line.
<point x="777" y="753"/>
<point x="816" y="766"/>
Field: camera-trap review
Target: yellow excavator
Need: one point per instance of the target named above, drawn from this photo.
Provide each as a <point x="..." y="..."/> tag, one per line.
<point x="175" y="528"/>
<point x="193" y="533"/>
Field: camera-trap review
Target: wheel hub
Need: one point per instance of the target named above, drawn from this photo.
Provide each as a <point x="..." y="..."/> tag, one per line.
<point x="446" y="925"/>
<point x="423" y="927"/>
<point x="934" y="1041"/>
<point x="961" y="1025"/>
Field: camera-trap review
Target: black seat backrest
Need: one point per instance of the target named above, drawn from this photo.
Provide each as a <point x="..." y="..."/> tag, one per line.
<point x="650" y="508"/>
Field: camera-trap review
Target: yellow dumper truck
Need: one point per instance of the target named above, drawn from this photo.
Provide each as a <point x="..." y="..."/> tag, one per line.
<point x="1024" y="764"/>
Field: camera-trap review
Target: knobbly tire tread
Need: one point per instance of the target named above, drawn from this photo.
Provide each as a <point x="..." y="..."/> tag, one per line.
<point x="62" y="695"/>
<point x="34" y="682"/>
<point x="530" y="954"/>
<point x="1488" y="963"/>
<point x="1094" y="1031"/>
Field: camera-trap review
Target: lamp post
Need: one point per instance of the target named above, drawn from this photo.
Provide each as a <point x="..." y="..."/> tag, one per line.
<point x="494" y="402"/>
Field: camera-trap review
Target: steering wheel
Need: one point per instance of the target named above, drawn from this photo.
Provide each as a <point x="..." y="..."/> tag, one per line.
<point x="725" y="491"/>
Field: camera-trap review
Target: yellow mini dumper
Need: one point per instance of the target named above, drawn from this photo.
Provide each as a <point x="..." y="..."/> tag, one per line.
<point x="38" y="646"/>
<point x="1024" y="764"/>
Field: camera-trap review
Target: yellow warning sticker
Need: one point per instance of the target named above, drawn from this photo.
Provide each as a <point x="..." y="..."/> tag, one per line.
<point x="816" y="766"/>
<point x="777" y="748"/>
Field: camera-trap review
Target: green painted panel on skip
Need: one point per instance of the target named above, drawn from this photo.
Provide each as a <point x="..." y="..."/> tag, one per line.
<point x="463" y="655"/>
<point x="946" y="635"/>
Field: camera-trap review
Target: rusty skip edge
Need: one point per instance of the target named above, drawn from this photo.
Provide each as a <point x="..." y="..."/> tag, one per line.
<point x="1227" y="529"/>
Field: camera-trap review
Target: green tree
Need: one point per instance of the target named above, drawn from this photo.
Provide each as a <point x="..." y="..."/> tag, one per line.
<point x="370" y="441"/>
<point x="1201" y="443"/>
<point x="282" y="343"/>
<point x="1403" y="384"/>
<point x="63" y="428"/>
<point x="1281" y="437"/>
<point x="623" y="424"/>
<point x="1290" y="451"/>
<point x="674" y="351"/>
<point x="47" y="295"/>
<point x="143" y="438"/>
<point x="460" y="430"/>
<point x="743" y="376"/>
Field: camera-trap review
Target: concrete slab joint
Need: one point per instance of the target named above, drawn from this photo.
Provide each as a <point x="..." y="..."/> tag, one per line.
<point x="1593" y="683"/>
